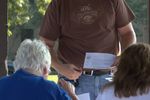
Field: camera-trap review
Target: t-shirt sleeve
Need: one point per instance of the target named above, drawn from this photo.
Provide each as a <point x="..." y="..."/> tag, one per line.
<point x="50" y="28"/>
<point x="124" y="14"/>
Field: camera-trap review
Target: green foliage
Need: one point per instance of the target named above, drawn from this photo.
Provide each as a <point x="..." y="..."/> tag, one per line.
<point x="25" y="12"/>
<point x="17" y="10"/>
<point x="41" y="5"/>
<point x="140" y="8"/>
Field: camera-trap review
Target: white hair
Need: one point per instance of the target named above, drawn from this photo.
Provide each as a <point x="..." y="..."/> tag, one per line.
<point x="32" y="54"/>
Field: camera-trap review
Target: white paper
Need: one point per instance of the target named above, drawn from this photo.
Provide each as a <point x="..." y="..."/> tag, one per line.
<point x="109" y="79"/>
<point x="98" y="60"/>
<point x="85" y="96"/>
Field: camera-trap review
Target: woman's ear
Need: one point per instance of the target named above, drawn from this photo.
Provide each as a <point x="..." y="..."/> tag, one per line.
<point x="45" y="72"/>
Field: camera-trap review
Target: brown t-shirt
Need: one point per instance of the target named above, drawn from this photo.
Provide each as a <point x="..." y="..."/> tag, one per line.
<point x="85" y="26"/>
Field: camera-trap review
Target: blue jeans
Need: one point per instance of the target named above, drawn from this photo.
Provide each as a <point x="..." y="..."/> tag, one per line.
<point x="91" y="84"/>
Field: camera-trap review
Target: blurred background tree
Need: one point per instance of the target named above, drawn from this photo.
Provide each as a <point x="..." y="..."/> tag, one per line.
<point x="140" y="8"/>
<point x="25" y="13"/>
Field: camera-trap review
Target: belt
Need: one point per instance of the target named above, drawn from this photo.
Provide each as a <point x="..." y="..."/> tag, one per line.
<point x="95" y="72"/>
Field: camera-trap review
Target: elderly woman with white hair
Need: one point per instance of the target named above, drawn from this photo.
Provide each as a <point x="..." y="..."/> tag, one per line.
<point x="31" y="65"/>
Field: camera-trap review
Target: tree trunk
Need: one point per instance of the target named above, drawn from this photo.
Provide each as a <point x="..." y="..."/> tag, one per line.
<point x="149" y="19"/>
<point x="3" y="37"/>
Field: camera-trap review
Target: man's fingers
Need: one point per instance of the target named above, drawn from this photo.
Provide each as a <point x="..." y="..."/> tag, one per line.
<point x="113" y="69"/>
<point x="77" y="69"/>
<point x="62" y="82"/>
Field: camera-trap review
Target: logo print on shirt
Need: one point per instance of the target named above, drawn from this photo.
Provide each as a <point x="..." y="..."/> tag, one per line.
<point x="85" y="15"/>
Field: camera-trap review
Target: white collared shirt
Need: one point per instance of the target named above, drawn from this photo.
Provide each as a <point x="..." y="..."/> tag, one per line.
<point x="108" y="94"/>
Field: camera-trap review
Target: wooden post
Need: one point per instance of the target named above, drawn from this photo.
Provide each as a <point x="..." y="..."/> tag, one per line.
<point x="149" y="19"/>
<point x="3" y="37"/>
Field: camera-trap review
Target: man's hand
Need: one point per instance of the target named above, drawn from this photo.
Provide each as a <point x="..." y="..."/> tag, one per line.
<point x="70" y="71"/>
<point x="69" y="88"/>
<point x="116" y="62"/>
<point x="114" y="65"/>
<point x="127" y="36"/>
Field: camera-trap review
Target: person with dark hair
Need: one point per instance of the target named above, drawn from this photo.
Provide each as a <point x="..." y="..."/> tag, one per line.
<point x="83" y="26"/>
<point x="132" y="79"/>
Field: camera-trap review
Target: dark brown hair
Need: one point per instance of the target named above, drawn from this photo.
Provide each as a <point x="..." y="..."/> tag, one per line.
<point x="133" y="75"/>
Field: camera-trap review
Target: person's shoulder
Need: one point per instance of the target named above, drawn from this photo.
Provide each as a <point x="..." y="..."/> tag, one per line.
<point x="107" y="90"/>
<point x="56" y="1"/>
<point x="4" y="78"/>
<point x="55" y="90"/>
<point x="116" y="2"/>
<point x="48" y="84"/>
<point x="108" y="86"/>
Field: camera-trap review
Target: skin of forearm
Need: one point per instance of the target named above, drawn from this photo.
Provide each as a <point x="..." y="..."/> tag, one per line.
<point x="127" y="39"/>
<point x="74" y="97"/>
<point x="56" y="64"/>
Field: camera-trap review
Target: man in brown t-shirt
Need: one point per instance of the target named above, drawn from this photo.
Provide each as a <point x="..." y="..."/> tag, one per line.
<point x="82" y="26"/>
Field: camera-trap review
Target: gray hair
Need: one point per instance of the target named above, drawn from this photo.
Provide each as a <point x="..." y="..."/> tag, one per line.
<point x="32" y="54"/>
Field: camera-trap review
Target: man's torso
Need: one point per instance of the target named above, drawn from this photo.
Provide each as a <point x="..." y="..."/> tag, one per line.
<point x="86" y="26"/>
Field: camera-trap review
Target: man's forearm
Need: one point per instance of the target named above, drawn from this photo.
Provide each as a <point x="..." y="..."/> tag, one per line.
<point x="55" y="61"/>
<point x="127" y="39"/>
<point x="127" y="36"/>
<point x="74" y="97"/>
